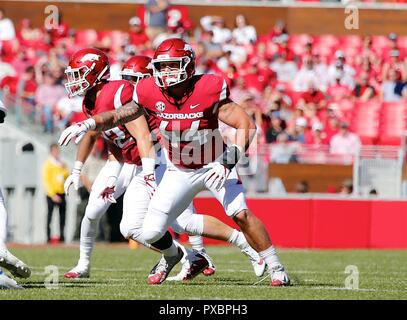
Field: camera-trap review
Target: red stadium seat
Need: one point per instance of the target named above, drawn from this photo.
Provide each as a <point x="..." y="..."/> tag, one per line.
<point x="393" y="122"/>
<point x="365" y="120"/>
<point x="86" y="38"/>
<point x="114" y="38"/>
<point x="351" y="41"/>
<point x="380" y="42"/>
<point x="346" y="107"/>
<point x="299" y="38"/>
<point x="402" y="42"/>
<point x="298" y="48"/>
<point x="327" y="40"/>
<point x="324" y="51"/>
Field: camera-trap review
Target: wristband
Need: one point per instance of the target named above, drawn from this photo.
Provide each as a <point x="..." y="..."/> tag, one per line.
<point x="77" y="166"/>
<point x="113" y="169"/>
<point x="148" y="165"/>
<point x="90" y="123"/>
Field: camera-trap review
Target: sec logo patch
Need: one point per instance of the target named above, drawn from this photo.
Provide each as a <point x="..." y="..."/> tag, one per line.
<point x="160" y="106"/>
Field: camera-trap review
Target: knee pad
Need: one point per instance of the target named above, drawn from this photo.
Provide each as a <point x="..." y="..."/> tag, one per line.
<point x="135" y="234"/>
<point x="130" y="232"/>
<point x="151" y="236"/>
<point x="95" y="212"/>
<point x="124" y="230"/>
<point x="193" y="224"/>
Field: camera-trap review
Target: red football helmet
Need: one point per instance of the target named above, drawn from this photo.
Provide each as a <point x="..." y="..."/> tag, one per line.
<point x="173" y="62"/>
<point x="86" y="68"/>
<point x="136" y="68"/>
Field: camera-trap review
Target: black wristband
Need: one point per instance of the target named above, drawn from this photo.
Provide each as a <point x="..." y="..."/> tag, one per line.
<point x="231" y="157"/>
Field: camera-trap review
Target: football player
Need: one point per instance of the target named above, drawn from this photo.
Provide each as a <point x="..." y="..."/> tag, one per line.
<point x="134" y="70"/>
<point x="87" y="75"/>
<point x="7" y="260"/>
<point x="187" y="108"/>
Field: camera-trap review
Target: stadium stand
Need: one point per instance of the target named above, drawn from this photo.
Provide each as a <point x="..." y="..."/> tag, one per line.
<point x="358" y="79"/>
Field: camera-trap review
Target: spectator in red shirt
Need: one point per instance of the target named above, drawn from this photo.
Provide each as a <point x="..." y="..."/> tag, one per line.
<point x="368" y="51"/>
<point x="255" y="80"/>
<point x="27" y="86"/>
<point x="29" y="36"/>
<point x="284" y="50"/>
<point x="372" y="71"/>
<point x="25" y="92"/>
<point x="395" y="62"/>
<point x="277" y="100"/>
<point x="313" y="98"/>
<point x="337" y="91"/>
<point x="137" y="36"/>
<point x="364" y="90"/>
<point x="278" y="30"/>
<point x="60" y="31"/>
<point x="332" y="125"/>
<point x="317" y="136"/>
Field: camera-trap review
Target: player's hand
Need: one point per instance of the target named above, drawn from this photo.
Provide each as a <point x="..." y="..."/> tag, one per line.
<point x="151" y="184"/>
<point x="148" y="165"/>
<point x="77" y="131"/>
<point x="108" y="195"/>
<point x="216" y="175"/>
<point x="74" y="179"/>
<point x="56" y="198"/>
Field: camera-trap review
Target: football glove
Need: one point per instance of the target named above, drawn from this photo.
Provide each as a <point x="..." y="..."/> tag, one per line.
<point x="74" y="178"/>
<point x="77" y="131"/>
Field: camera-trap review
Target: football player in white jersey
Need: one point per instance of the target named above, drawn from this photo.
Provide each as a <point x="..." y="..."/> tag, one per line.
<point x="7" y="260"/>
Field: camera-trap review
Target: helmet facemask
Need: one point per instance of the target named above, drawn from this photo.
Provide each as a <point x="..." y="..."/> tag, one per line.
<point x="77" y="83"/>
<point x="170" y="76"/>
<point x="132" y="76"/>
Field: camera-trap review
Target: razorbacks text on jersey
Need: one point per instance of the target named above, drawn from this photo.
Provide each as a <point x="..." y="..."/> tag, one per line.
<point x="113" y="95"/>
<point x="188" y="129"/>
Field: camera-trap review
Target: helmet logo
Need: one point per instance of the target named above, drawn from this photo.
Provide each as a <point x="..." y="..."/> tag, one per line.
<point x="90" y="57"/>
<point x="160" y="106"/>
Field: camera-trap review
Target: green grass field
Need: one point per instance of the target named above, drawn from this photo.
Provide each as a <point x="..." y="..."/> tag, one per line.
<point x="120" y="273"/>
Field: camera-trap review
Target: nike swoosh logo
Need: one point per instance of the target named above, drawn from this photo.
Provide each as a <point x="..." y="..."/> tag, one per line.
<point x="194" y="106"/>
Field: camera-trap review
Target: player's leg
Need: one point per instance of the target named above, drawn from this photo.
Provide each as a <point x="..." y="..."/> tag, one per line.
<point x="233" y="200"/>
<point x="210" y="227"/>
<point x="171" y="198"/>
<point x="8" y="261"/>
<point x="50" y="210"/>
<point x="195" y="240"/>
<point x="94" y="211"/>
<point x="135" y="204"/>
<point x="62" y="217"/>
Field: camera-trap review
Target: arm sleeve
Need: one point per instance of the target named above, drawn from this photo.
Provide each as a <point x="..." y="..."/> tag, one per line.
<point x="221" y="94"/>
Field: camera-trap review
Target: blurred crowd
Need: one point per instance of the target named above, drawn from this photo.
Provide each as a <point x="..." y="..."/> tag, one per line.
<point x="301" y="90"/>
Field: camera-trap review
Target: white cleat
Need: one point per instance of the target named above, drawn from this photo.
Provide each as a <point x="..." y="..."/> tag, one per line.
<point x="14" y="265"/>
<point x="279" y="276"/>
<point x="193" y="262"/>
<point x="259" y="265"/>
<point x="8" y="283"/>
<point x="77" y="273"/>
